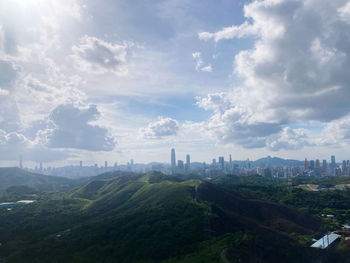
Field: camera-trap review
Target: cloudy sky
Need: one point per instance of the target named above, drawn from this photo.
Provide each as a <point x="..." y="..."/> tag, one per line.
<point x="116" y="79"/>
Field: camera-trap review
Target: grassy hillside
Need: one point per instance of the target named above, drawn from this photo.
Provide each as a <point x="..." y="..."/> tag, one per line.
<point x="153" y="218"/>
<point x="17" y="177"/>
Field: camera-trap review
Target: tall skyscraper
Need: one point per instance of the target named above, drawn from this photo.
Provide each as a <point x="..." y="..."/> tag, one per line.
<point x="188" y="162"/>
<point x="318" y="171"/>
<point x="344" y="168"/>
<point x="180" y="165"/>
<point x="318" y="165"/>
<point x="332" y="165"/>
<point x="41" y="166"/>
<point x="106" y="164"/>
<point x="173" y="161"/>
<point x="222" y="162"/>
<point x="324" y="168"/>
<point x="312" y="165"/>
<point x="306" y="165"/>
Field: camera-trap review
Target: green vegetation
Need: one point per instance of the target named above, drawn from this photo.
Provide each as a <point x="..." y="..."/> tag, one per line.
<point x="158" y="218"/>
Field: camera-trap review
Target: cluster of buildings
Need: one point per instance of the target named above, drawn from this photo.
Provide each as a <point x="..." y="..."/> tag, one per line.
<point x="266" y="168"/>
<point x="315" y="168"/>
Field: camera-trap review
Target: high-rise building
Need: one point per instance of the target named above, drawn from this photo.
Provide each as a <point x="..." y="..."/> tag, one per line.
<point x="312" y="165"/>
<point x="317" y="165"/>
<point x="173" y="161"/>
<point x="180" y="165"/>
<point x="41" y="166"/>
<point x="344" y="168"/>
<point x="213" y="162"/>
<point x="221" y="162"/>
<point x="324" y="168"/>
<point x="106" y="164"/>
<point x="332" y="165"/>
<point x="318" y="170"/>
<point x="306" y="165"/>
<point x="188" y="162"/>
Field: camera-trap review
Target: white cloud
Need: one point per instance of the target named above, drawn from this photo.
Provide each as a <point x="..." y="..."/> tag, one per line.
<point x="200" y="64"/>
<point x="73" y="129"/>
<point x="163" y="127"/>
<point x="290" y="139"/>
<point x="14" y="144"/>
<point x="344" y="12"/>
<point x="296" y="73"/>
<point x="229" y="32"/>
<point x="94" y="55"/>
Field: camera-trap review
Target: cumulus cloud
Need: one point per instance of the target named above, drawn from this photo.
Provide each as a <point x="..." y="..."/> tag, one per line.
<point x="73" y="129"/>
<point x="336" y="133"/>
<point x="14" y="144"/>
<point x="200" y="64"/>
<point x="94" y="55"/>
<point x="288" y="138"/>
<point x="296" y="72"/>
<point x="163" y="127"/>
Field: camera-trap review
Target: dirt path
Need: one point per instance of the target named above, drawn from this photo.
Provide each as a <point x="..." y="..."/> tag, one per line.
<point x="223" y="256"/>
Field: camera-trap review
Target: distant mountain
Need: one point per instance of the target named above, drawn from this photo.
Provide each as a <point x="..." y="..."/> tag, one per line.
<point x="276" y="162"/>
<point x="153" y="218"/>
<point x="13" y="176"/>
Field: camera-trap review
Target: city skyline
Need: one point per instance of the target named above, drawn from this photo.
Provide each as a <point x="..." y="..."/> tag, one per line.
<point x="246" y="78"/>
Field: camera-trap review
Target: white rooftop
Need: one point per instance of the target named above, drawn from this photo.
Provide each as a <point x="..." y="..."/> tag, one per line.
<point x="325" y="241"/>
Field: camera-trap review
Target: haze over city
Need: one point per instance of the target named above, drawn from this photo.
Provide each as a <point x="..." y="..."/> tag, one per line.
<point x="120" y="80"/>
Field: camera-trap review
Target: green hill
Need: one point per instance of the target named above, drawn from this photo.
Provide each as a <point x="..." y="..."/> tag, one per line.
<point x="154" y="218"/>
<point x="10" y="177"/>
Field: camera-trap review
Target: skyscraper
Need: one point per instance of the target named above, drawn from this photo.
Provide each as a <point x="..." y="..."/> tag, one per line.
<point x="317" y="168"/>
<point x="173" y="161"/>
<point x="332" y="165"/>
<point x="188" y="162"/>
<point x="312" y="165"/>
<point x="306" y="165"/>
<point x="324" y="168"/>
<point x="222" y="162"/>
<point x="180" y="165"/>
<point x="106" y="164"/>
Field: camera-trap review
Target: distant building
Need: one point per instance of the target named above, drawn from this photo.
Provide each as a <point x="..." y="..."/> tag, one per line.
<point x="344" y="168"/>
<point x="332" y="165"/>
<point x="173" y="161"/>
<point x="188" y="162"/>
<point x="180" y="165"/>
<point x="312" y="165"/>
<point x="81" y="164"/>
<point x="306" y="165"/>
<point x="318" y="170"/>
<point x="324" y="168"/>
<point x="41" y="166"/>
<point x="221" y="162"/>
<point x="106" y="164"/>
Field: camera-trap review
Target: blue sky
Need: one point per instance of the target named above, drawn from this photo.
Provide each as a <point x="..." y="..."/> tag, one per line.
<point x="115" y="80"/>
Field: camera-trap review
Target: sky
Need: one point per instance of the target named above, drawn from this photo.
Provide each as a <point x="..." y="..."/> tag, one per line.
<point x="117" y="80"/>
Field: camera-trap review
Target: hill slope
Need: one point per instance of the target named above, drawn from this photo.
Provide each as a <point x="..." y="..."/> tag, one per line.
<point x="17" y="177"/>
<point x="150" y="218"/>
